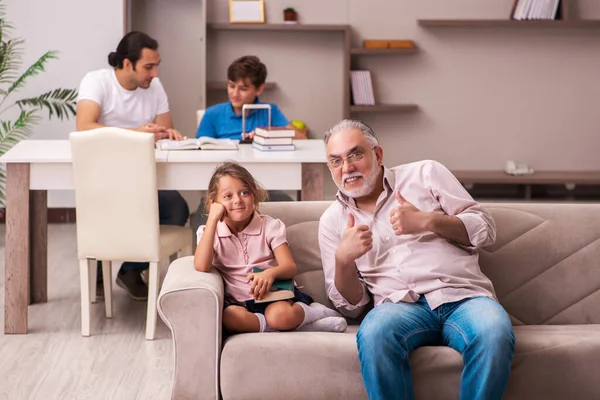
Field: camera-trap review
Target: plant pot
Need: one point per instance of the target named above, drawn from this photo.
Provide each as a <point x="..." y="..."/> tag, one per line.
<point x="290" y="16"/>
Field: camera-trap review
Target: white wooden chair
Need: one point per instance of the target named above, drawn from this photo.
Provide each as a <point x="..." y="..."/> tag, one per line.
<point x="199" y="115"/>
<point x="116" y="199"/>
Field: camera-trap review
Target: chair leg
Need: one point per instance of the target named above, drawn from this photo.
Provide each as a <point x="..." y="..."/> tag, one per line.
<point x="84" y="275"/>
<point x="93" y="277"/>
<point x="152" y="297"/>
<point x="107" y="278"/>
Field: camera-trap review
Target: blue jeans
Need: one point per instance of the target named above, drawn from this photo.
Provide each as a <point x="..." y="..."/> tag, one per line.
<point x="478" y="328"/>
<point x="172" y="210"/>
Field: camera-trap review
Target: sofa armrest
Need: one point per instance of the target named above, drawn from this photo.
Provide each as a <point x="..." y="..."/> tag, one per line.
<point x="191" y="304"/>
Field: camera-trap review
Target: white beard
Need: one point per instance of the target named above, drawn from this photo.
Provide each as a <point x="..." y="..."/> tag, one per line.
<point x="370" y="181"/>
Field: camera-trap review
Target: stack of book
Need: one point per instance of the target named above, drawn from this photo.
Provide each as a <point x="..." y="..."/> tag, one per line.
<point x="362" y="88"/>
<point x="535" y="9"/>
<point x="274" y="139"/>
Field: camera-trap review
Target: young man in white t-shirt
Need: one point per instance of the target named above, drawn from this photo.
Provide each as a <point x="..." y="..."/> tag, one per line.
<point x="129" y="95"/>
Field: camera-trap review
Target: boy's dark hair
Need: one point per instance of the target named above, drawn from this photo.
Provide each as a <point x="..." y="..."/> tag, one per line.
<point x="248" y="67"/>
<point x="130" y="48"/>
<point x="234" y="170"/>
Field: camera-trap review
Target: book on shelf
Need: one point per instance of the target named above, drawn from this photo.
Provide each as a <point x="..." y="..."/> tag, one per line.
<point x="362" y="88"/>
<point x="281" y="289"/>
<point x="272" y="141"/>
<point x="535" y="10"/>
<point x="274" y="147"/>
<point x="274" y="132"/>
<point x="201" y="143"/>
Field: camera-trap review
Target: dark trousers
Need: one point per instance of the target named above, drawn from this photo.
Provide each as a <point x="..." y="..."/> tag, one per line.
<point x="172" y="210"/>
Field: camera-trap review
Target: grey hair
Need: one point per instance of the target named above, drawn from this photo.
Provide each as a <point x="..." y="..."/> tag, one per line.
<point x="344" y="124"/>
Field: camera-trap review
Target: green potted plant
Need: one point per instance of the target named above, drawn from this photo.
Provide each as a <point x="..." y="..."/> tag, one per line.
<point x="18" y="117"/>
<point x="290" y="15"/>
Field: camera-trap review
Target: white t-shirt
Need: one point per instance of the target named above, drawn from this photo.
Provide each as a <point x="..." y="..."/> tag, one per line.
<point x="120" y="107"/>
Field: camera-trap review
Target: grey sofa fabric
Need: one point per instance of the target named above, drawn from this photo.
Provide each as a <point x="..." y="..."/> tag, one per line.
<point x="545" y="266"/>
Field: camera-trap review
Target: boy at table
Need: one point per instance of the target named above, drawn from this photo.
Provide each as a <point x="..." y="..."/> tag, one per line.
<point x="246" y="79"/>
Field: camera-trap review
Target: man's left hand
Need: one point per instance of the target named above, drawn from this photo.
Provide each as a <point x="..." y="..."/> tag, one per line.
<point x="172" y="134"/>
<point x="406" y="219"/>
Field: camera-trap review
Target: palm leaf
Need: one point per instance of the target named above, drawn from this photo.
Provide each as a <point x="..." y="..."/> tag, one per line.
<point x="10" y="60"/>
<point x="59" y="102"/>
<point x="35" y="69"/>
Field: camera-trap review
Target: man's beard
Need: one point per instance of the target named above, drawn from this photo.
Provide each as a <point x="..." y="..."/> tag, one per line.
<point x="369" y="182"/>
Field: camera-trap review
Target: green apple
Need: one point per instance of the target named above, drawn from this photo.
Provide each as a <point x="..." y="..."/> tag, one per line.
<point x="298" y="124"/>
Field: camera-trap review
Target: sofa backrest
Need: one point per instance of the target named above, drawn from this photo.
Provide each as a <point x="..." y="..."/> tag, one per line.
<point x="545" y="263"/>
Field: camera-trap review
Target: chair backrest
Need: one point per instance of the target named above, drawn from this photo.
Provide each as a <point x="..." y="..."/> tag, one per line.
<point x="116" y="195"/>
<point x="199" y="115"/>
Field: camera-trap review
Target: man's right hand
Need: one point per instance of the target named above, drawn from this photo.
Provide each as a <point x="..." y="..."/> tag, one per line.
<point x="356" y="242"/>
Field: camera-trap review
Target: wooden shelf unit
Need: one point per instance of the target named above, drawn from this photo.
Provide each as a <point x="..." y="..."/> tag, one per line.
<point x="223" y="85"/>
<point x="344" y="29"/>
<point x="280" y="27"/>
<point x="359" y="51"/>
<point x="509" y="23"/>
<point x="565" y="20"/>
<point x="528" y="183"/>
<point x="348" y="53"/>
<point x="385" y="108"/>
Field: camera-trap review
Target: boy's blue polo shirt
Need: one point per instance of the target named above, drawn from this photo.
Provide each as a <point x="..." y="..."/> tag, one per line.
<point x="219" y="121"/>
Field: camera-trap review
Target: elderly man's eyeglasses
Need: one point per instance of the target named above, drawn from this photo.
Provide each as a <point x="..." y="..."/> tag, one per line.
<point x="352" y="158"/>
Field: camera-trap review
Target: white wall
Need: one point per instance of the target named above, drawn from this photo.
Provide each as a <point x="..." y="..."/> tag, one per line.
<point x="83" y="32"/>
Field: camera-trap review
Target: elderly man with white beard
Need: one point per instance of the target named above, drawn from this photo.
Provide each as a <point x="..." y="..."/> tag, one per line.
<point x="407" y="236"/>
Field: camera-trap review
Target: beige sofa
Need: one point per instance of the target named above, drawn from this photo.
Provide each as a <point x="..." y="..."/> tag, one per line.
<point x="545" y="266"/>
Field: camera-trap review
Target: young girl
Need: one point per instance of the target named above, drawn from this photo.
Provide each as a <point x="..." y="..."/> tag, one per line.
<point x="235" y="239"/>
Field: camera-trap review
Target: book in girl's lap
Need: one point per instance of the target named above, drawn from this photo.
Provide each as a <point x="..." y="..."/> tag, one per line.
<point x="236" y="239"/>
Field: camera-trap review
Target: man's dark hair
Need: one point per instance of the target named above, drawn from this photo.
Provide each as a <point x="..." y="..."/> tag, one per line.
<point x="248" y="67"/>
<point x="130" y="48"/>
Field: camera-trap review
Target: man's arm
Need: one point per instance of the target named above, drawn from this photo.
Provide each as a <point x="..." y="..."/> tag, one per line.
<point x="342" y="283"/>
<point x="165" y="120"/>
<point x="467" y="221"/>
<point x="87" y="114"/>
<point x="464" y="221"/>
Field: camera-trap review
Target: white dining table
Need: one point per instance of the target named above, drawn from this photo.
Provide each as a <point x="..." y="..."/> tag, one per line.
<point x="35" y="166"/>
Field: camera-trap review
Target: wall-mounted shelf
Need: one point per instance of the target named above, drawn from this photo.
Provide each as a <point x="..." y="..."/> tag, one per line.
<point x="385" y="108"/>
<point x="382" y="52"/>
<point x="223" y="85"/>
<point x="348" y="53"/>
<point x="278" y="27"/>
<point x="510" y="23"/>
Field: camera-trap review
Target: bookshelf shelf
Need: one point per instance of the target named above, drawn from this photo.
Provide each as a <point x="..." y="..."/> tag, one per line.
<point x="223" y="85"/>
<point x="510" y="23"/>
<point x="385" y="108"/>
<point x="381" y="52"/>
<point x="279" y="27"/>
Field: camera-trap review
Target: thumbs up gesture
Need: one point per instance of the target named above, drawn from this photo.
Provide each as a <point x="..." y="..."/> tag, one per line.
<point x="406" y="218"/>
<point x="356" y="241"/>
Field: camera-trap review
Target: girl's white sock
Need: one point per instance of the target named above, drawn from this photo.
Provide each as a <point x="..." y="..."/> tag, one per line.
<point x="327" y="324"/>
<point x="264" y="327"/>
<point x="315" y="312"/>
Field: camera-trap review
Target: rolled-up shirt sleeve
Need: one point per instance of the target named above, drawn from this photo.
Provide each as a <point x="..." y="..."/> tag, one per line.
<point x="329" y="240"/>
<point x="456" y="201"/>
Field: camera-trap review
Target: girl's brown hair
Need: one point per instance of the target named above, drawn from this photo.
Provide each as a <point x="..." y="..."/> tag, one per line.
<point x="234" y="170"/>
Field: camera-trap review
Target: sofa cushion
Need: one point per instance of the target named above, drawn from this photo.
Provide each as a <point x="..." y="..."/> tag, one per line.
<point x="551" y="362"/>
<point x="303" y="239"/>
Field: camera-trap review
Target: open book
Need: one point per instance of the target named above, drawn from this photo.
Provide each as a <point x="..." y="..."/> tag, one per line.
<point x="201" y="143"/>
<point x="281" y="289"/>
